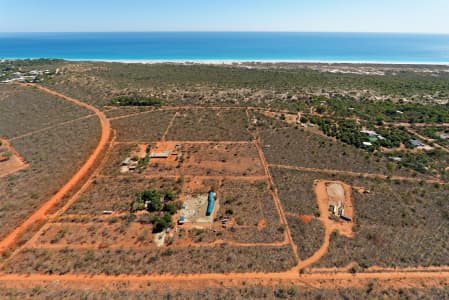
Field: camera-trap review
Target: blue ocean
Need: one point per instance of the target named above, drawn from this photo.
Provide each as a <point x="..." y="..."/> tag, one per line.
<point x="246" y="46"/>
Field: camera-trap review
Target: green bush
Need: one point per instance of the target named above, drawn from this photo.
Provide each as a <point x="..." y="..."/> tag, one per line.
<point x="172" y="207"/>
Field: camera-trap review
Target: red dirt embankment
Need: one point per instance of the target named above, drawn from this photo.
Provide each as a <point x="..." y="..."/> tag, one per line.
<point x="43" y="210"/>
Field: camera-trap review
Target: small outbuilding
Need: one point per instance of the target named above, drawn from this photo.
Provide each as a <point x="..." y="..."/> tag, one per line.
<point x="367" y="144"/>
<point x="417" y="143"/>
<point x="163" y="154"/>
<point x="181" y="220"/>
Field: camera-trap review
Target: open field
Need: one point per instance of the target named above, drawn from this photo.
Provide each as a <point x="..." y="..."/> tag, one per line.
<point x="211" y="159"/>
<point x="54" y="156"/>
<point x="307" y="234"/>
<point x="96" y="235"/>
<point x="134" y="261"/>
<point x="222" y="159"/>
<point x="24" y="110"/>
<point x="295" y="191"/>
<point x="209" y="125"/>
<point x="114" y="112"/>
<point x="144" y="127"/>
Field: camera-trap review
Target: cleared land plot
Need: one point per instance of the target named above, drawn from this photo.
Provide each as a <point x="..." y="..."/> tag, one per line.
<point x="117" y="194"/>
<point x="251" y="211"/>
<point x="247" y="204"/>
<point x="308" y="236"/>
<point x="10" y="161"/>
<point x="219" y="259"/>
<point x="116" y="156"/>
<point x="23" y="110"/>
<point x="97" y="234"/>
<point x="144" y="127"/>
<point x="294" y="146"/>
<point x="54" y="157"/>
<point x="222" y="159"/>
<point x="11" y="165"/>
<point x="210" y="125"/>
<point x="213" y="159"/>
<point x="296" y="191"/>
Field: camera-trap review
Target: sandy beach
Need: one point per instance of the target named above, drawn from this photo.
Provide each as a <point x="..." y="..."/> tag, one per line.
<point x="242" y="62"/>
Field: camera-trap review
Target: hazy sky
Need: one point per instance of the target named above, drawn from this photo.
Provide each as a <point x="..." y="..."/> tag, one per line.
<point x="223" y="15"/>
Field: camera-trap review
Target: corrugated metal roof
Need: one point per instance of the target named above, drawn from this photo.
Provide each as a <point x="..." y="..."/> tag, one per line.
<point x="162" y="154"/>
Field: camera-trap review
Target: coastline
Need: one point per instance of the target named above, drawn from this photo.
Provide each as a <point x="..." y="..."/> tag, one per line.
<point x="242" y="62"/>
<point x="261" y="61"/>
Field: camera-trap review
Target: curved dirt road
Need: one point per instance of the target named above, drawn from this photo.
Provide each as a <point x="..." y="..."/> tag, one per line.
<point x="40" y="214"/>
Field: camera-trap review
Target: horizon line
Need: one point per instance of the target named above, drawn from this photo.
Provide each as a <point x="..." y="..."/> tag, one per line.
<point x="231" y="31"/>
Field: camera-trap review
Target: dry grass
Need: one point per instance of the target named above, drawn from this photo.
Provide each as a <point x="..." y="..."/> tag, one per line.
<point x="54" y="157"/>
<point x="23" y="110"/>
<point x="210" y="125"/>
<point x="171" y="260"/>
<point x="117" y="194"/>
<point x="122" y="111"/>
<point x="308" y="237"/>
<point x="97" y="234"/>
<point x="222" y="159"/>
<point x="212" y="159"/>
<point x="247" y="204"/>
<point x="144" y="127"/>
<point x="296" y="191"/>
<point x="389" y="221"/>
<point x="295" y="146"/>
<point x="248" y="291"/>
<point x="116" y="156"/>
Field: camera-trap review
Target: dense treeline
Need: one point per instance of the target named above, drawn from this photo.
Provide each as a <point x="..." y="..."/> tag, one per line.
<point x="136" y="101"/>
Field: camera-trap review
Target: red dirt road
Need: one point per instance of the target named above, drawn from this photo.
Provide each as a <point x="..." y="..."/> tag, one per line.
<point x="412" y="279"/>
<point x="42" y="211"/>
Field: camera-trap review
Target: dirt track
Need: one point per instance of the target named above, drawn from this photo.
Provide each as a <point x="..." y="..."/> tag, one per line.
<point x="410" y="279"/>
<point x="41" y="213"/>
<point x="351" y="173"/>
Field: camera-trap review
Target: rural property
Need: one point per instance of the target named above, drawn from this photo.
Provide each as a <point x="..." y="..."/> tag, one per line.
<point x="223" y="184"/>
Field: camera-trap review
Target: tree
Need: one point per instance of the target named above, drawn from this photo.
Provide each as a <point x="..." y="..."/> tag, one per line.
<point x="161" y="223"/>
<point x="169" y="195"/>
<point x="172" y="207"/>
<point x="153" y="198"/>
